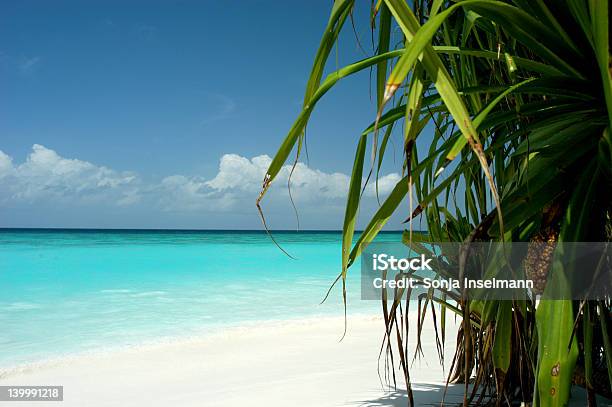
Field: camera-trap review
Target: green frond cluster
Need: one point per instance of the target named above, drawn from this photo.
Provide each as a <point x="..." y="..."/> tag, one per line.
<point x="514" y="100"/>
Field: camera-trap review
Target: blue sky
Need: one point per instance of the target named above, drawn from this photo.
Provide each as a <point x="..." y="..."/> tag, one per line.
<point x="150" y="114"/>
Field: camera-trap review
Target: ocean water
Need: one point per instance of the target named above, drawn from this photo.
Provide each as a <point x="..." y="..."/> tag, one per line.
<point x="71" y="291"/>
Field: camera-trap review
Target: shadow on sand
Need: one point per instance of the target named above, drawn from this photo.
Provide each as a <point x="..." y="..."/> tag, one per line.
<point x="428" y="395"/>
<point x="424" y="395"/>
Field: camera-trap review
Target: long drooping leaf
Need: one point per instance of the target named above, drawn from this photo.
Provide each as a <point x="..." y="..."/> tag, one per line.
<point x="531" y="65"/>
<point x="384" y="38"/>
<point x="604" y="314"/>
<point x="352" y="205"/>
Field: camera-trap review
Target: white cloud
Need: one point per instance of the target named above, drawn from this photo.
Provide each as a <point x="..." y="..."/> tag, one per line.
<point x="239" y="180"/>
<point x="181" y="193"/>
<point x="386" y="183"/>
<point x="310" y="184"/>
<point x="236" y="172"/>
<point x="6" y="165"/>
<point x="45" y="175"/>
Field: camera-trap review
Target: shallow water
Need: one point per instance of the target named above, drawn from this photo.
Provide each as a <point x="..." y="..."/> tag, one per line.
<point x="67" y="291"/>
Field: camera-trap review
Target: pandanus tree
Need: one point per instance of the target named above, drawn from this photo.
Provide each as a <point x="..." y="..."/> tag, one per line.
<point x="514" y="101"/>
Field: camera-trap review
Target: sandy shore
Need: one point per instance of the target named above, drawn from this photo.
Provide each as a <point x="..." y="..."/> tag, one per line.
<point x="297" y="363"/>
<point x="290" y="363"/>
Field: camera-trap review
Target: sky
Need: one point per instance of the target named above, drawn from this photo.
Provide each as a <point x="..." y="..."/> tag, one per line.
<point x="165" y="114"/>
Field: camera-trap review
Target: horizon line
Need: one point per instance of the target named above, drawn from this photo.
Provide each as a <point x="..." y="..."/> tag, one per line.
<point x="2" y="228"/>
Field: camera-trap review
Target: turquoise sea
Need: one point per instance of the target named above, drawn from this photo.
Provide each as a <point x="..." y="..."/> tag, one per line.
<point x="70" y="291"/>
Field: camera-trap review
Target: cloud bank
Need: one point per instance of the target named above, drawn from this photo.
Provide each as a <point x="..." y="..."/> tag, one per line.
<point x="47" y="178"/>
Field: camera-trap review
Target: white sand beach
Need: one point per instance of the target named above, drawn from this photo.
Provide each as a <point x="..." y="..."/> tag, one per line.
<point x="298" y="363"/>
